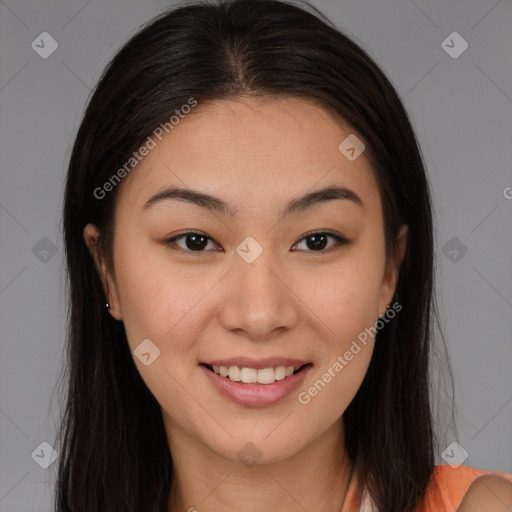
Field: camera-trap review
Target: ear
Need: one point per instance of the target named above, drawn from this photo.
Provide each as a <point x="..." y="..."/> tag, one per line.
<point x="91" y="237"/>
<point x="391" y="276"/>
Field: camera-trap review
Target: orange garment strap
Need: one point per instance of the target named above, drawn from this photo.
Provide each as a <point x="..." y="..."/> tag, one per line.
<point x="444" y="493"/>
<point x="448" y="485"/>
<point x="354" y="500"/>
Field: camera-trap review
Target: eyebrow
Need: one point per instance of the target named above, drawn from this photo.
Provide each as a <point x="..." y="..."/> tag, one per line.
<point x="216" y="204"/>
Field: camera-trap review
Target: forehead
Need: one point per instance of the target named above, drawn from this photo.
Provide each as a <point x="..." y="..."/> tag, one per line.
<point x="273" y="148"/>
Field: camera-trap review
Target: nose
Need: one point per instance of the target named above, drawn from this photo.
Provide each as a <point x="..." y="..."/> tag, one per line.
<point x="258" y="300"/>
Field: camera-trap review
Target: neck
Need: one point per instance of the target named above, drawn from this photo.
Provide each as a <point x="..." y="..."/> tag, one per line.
<point x="315" y="479"/>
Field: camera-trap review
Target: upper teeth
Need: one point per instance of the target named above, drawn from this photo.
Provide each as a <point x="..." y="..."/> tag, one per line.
<point x="253" y="375"/>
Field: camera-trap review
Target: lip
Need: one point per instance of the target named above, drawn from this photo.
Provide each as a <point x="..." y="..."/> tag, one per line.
<point x="247" y="362"/>
<point x="256" y="395"/>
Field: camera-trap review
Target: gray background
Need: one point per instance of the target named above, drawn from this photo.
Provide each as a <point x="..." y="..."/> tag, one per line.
<point x="461" y="108"/>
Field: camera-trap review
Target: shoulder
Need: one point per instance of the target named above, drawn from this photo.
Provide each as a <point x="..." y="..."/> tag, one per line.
<point x="490" y="492"/>
<point x="467" y="489"/>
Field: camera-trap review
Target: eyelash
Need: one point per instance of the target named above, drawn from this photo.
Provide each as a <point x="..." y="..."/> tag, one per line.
<point x="340" y="241"/>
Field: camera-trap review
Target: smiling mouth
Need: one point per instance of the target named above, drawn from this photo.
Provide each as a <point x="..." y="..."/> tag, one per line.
<point x="264" y="376"/>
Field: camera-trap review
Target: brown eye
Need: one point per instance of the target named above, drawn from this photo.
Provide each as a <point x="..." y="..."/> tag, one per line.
<point x="319" y="240"/>
<point x="194" y="242"/>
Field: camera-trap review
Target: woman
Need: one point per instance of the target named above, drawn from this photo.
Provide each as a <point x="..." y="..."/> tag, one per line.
<point x="249" y="242"/>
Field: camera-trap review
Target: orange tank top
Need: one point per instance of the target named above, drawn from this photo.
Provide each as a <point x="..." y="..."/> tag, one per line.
<point x="444" y="493"/>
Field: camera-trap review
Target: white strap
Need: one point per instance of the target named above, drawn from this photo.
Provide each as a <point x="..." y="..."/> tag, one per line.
<point x="366" y="503"/>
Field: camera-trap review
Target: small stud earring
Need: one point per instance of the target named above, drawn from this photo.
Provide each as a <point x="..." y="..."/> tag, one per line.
<point x="107" y="305"/>
<point x="384" y="314"/>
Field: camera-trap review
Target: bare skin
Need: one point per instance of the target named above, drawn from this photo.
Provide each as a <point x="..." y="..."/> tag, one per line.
<point x="293" y="301"/>
<point x="488" y="493"/>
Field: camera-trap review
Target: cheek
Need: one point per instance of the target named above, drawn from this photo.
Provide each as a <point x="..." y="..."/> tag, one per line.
<point x="162" y="305"/>
<point x="345" y="295"/>
<point x="346" y="304"/>
<point x="157" y="300"/>
<point x="345" y="298"/>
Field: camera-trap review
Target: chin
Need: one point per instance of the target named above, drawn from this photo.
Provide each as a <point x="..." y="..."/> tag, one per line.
<point x="260" y="447"/>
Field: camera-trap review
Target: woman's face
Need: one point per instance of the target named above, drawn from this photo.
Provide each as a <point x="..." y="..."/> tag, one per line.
<point x="253" y="286"/>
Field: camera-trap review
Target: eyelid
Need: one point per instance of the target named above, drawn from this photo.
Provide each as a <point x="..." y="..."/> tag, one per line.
<point x="171" y="241"/>
<point x="340" y="240"/>
<point x="337" y="236"/>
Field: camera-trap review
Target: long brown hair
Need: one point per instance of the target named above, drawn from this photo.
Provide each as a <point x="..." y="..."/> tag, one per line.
<point x="114" y="453"/>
